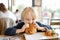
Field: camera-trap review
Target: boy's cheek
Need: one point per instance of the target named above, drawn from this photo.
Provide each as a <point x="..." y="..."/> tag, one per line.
<point x="27" y="22"/>
<point x="34" y="22"/>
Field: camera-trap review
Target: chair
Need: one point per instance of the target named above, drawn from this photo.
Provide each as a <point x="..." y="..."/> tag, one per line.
<point x="2" y="26"/>
<point x="54" y="21"/>
<point x="5" y="23"/>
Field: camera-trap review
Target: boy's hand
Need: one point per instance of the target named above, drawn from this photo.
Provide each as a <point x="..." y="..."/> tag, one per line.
<point x="23" y="28"/>
<point x="35" y="24"/>
<point x="38" y="27"/>
<point x="26" y="25"/>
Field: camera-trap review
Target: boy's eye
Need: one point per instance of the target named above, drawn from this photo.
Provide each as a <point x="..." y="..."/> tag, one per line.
<point x="33" y="19"/>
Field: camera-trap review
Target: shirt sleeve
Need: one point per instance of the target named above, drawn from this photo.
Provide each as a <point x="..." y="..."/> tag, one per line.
<point x="45" y="26"/>
<point x="10" y="31"/>
<point x="19" y="25"/>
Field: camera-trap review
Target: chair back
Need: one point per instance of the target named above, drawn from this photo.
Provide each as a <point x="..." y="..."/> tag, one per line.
<point x="3" y="26"/>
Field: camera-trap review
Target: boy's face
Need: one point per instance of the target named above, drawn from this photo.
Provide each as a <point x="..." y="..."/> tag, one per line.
<point x="29" y="18"/>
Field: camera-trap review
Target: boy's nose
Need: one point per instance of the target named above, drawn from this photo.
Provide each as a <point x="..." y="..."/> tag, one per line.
<point x="30" y="21"/>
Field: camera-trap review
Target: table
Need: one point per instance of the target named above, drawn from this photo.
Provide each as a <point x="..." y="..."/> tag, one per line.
<point x="16" y="37"/>
<point x="36" y="36"/>
<point x="40" y="36"/>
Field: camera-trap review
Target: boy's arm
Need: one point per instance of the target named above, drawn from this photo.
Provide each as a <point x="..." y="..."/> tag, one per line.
<point x="10" y="31"/>
<point x="40" y="28"/>
<point x="47" y="27"/>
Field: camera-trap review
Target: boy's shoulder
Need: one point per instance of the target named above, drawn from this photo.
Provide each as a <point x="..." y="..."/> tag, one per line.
<point x="21" y="23"/>
<point x="38" y="22"/>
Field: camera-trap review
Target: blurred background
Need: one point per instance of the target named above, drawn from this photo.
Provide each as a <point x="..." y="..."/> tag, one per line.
<point x="46" y="10"/>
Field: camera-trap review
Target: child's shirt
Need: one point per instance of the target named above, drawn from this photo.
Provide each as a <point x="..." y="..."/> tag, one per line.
<point x="12" y="31"/>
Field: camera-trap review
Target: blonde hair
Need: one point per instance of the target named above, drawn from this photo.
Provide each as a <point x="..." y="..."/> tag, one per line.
<point x="26" y="12"/>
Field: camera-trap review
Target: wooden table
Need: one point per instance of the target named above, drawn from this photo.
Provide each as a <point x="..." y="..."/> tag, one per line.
<point x="36" y="36"/>
<point x="3" y="37"/>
